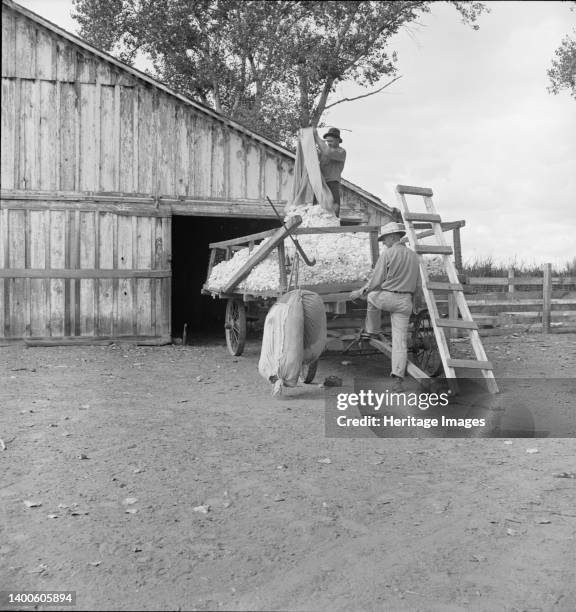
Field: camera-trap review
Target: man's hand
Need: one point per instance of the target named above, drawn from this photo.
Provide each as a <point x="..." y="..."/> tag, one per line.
<point x="359" y="293"/>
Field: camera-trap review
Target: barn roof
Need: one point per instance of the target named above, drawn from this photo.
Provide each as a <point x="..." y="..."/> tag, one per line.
<point x="202" y="108"/>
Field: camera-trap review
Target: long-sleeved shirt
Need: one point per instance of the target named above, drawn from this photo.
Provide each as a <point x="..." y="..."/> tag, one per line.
<point x="331" y="162"/>
<point x="397" y="269"/>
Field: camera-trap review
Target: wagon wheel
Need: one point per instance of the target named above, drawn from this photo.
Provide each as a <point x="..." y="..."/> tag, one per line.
<point x="309" y="371"/>
<point x="424" y="346"/>
<point x="235" y="326"/>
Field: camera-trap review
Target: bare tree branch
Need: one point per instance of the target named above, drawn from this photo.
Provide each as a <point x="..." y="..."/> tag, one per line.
<point x="371" y="93"/>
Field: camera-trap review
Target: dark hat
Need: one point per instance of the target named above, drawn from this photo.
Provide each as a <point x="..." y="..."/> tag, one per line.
<point x="334" y="132"/>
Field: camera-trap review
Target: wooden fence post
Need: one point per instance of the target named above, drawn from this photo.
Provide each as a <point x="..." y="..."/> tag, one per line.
<point x="546" y="298"/>
<point x="457" y="249"/>
<point x="510" y="280"/>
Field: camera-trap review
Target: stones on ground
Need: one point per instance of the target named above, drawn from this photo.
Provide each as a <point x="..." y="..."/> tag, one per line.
<point x="201" y="509"/>
<point x="130" y="501"/>
<point x="565" y="475"/>
<point x="532" y="451"/>
<point x="32" y="503"/>
<point x="325" y="460"/>
<point x="332" y="381"/>
<point x="83" y="456"/>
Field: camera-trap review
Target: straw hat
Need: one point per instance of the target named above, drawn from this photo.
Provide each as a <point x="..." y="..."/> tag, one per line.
<point x="391" y="228"/>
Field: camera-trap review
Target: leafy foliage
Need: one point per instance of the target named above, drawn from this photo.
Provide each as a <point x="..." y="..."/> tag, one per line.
<point x="270" y="65"/>
<point x="562" y="74"/>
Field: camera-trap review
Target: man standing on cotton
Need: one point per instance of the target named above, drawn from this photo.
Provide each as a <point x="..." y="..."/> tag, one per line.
<point x="332" y="158"/>
<point x="392" y="286"/>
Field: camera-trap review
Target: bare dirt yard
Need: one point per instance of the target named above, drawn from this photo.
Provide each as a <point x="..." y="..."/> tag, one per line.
<point x="168" y="478"/>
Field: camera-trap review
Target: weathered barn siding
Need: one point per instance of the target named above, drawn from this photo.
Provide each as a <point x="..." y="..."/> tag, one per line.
<point x="72" y="272"/>
<point x="96" y="158"/>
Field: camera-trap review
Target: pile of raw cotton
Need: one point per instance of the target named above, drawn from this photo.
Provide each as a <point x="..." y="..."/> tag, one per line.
<point x="340" y="257"/>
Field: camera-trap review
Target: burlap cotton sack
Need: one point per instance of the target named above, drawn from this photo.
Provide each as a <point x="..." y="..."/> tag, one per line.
<point x="283" y="343"/>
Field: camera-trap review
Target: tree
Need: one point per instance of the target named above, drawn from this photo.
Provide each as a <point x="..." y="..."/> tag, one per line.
<point x="562" y="74"/>
<point x="272" y="65"/>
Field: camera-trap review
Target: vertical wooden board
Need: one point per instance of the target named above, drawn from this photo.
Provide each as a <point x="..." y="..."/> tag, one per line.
<point x="25" y="48"/>
<point x="29" y="134"/>
<point x="87" y="229"/>
<point x="182" y="162"/>
<point x="271" y="178"/>
<point x="253" y="171"/>
<point x="106" y="251"/>
<point x="104" y="72"/>
<point x="18" y="310"/>
<point x="286" y="180"/>
<point x="145" y="141"/>
<point x="65" y="61"/>
<point x="203" y="156"/>
<point x="89" y="134"/>
<point x="58" y="232"/>
<point x="107" y="144"/>
<point x="45" y="56"/>
<point x="145" y="236"/>
<point x="9" y="146"/>
<point x="166" y="283"/>
<point x="125" y="262"/>
<point x="3" y="264"/>
<point x="166" y="140"/>
<point x="68" y="123"/>
<point x="219" y="168"/>
<point x="48" y="136"/>
<point x="237" y="166"/>
<point x="126" y="162"/>
<point x="8" y="43"/>
<point x="85" y="68"/>
<point x="39" y="315"/>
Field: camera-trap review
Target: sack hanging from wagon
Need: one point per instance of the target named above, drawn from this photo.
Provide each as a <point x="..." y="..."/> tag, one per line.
<point x="294" y="335"/>
<point x="308" y="180"/>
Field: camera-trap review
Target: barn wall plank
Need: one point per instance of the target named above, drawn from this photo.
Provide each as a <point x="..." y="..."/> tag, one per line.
<point x="8" y="43"/>
<point x="68" y="141"/>
<point x="65" y="61"/>
<point x="25" y="48"/>
<point x="253" y="171"/>
<point x="18" y="305"/>
<point x="106" y="252"/>
<point x="145" y="141"/>
<point x="85" y="68"/>
<point x="203" y="148"/>
<point x="271" y="178"/>
<point x="89" y="134"/>
<point x="218" y="162"/>
<point x="145" y="236"/>
<point x="107" y="144"/>
<point x="182" y="152"/>
<point x="165" y="138"/>
<point x="125" y="237"/>
<point x="286" y="180"/>
<point x="87" y="235"/>
<point x="237" y="166"/>
<point x="39" y="315"/>
<point x="126" y="168"/>
<point x="8" y="134"/>
<point x="48" y="136"/>
<point x="45" y="56"/>
<point x="3" y="264"/>
<point x="57" y="260"/>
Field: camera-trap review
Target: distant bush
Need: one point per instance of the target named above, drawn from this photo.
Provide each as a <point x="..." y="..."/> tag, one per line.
<point x="486" y="266"/>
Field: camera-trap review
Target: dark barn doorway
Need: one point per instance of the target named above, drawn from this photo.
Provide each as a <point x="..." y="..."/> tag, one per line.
<point x="190" y="253"/>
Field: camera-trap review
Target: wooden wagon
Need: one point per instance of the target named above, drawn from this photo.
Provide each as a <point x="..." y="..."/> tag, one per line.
<point x="243" y="305"/>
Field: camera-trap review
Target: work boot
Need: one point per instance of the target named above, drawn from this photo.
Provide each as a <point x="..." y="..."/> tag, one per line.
<point x="397" y="384"/>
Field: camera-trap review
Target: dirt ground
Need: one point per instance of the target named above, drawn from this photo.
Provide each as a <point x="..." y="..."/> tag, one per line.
<point x="167" y="478"/>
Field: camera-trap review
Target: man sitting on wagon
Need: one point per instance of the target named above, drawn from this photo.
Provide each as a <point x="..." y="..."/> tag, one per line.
<point x="391" y="288"/>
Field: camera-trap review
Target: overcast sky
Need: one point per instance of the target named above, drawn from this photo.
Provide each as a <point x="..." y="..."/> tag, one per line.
<point x="470" y="118"/>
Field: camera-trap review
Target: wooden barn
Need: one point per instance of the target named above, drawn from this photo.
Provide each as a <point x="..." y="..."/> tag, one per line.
<point x="113" y="185"/>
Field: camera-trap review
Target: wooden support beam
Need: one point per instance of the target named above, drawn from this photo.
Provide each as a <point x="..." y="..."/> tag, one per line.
<point x="421" y="191"/>
<point x="433" y="249"/>
<point x="546" y="298"/>
<point x="261" y="254"/>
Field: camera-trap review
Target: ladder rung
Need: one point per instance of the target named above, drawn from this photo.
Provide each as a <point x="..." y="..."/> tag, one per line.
<point x="432" y="248"/>
<point x="469" y="363"/>
<point x="422" y="217"/>
<point x="437" y="286"/>
<point x="423" y="191"/>
<point x="456" y="323"/>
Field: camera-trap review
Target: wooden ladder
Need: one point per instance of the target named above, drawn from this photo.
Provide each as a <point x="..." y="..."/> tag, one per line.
<point x="453" y="287"/>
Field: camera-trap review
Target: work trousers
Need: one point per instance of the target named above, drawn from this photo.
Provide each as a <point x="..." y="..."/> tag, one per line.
<point x="334" y="187"/>
<point x="399" y="305"/>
